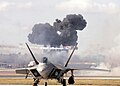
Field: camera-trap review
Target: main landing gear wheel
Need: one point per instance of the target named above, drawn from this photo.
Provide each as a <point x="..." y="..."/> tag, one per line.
<point x="71" y="80"/>
<point x="64" y="82"/>
<point x="45" y="83"/>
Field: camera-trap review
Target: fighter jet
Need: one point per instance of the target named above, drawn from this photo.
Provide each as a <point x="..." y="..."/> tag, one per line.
<point x="47" y="70"/>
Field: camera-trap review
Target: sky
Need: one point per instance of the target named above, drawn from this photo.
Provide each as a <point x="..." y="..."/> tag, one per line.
<point x="101" y="36"/>
<point x="17" y="17"/>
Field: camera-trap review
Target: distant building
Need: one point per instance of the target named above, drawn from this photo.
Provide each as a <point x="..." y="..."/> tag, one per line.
<point x="3" y="65"/>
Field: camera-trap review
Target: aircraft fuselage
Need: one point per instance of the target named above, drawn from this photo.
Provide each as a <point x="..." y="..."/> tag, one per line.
<point x="46" y="71"/>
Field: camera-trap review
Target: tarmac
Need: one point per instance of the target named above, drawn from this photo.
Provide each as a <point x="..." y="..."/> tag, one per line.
<point x="49" y="85"/>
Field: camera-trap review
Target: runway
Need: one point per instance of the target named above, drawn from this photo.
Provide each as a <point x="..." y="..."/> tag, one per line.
<point x="76" y="77"/>
<point x="79" y="81"/>
<point x="97" y="77"/>
<point x="47" y="85"/>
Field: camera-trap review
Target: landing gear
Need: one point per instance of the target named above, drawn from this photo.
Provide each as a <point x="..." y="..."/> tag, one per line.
<point x="34" y="84"/>
<point x="36" y="81"/>
<point x="45" y="83"/>
<point x="71" y="80"/>
<point x="64" y="82"/>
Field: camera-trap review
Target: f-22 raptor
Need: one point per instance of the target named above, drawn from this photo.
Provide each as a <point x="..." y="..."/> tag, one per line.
<point x="47" y="70"/>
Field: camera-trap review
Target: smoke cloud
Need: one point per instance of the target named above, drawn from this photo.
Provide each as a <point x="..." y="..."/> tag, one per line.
<point x="61" y="33"/>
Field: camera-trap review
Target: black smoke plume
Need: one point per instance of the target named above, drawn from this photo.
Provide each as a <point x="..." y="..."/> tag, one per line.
<point x="61" y="33"/>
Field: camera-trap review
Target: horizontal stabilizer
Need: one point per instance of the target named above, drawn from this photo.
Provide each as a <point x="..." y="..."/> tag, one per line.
<point x="22" y="71"/>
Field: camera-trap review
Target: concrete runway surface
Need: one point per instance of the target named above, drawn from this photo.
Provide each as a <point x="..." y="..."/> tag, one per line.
<point x="48" y="85"/>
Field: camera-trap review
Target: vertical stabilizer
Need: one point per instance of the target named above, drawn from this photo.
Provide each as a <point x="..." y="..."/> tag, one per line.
<point x="32" y="55"/>
<point x="70" y="56"/>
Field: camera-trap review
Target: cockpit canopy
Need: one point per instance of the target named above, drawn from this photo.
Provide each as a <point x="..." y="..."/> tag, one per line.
<point x="45" y="60"/>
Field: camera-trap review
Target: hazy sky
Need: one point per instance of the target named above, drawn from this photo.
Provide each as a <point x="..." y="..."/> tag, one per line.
<point x="17" y="17"/>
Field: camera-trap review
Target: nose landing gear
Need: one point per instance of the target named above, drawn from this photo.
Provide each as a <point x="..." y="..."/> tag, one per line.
<point x="36" y="81"/>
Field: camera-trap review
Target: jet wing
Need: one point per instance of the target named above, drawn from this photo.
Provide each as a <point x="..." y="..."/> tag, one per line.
<point x="95" y="69"/>
<point x="22" y="71"/>
<point x="89" y="69"/>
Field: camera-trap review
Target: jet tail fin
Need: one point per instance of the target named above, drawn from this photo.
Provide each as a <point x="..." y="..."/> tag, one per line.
<point x="70" y="56"/>
<point x="32" y="55"/>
